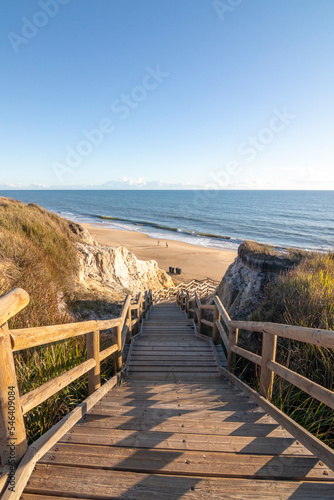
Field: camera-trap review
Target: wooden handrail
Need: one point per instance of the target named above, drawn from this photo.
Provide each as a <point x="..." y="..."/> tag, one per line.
<point x="224" y="314"/>
<point x="26" y="338"/>
<point x="34" y="398"/>
<point x="12" y="303"/>
<point x="247" y="354"/>
<point x="323" y="338"/>
<point x="108" y="352"/>
<point x="223" y="334"/>
<point x="270" y="331"/>
<point x="314" y="390"/>
<point x="19" y="339"/>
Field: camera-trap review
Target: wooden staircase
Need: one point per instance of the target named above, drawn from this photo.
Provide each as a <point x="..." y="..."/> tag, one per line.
<point x="173" y="423"/>
<point x="168" y="349"/>
<point x="175" y="429"/>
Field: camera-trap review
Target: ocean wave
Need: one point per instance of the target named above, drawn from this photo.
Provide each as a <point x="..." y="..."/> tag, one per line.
<point x="155" y="225"/>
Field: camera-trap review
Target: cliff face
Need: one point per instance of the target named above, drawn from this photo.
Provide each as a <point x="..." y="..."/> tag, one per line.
<point x="242" y="288"/>
<point x="118" y="271"/>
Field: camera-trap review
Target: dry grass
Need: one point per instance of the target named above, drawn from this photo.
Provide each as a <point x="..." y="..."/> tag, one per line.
<point x="253" y="247"/>
<point x="38" y="253"/>
<point x="303" y="296"/>
<point x="259" y="248"/>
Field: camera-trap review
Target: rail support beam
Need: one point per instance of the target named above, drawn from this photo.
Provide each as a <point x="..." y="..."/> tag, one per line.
<point x="232" y="340"/>
<point x="13" y="438"/>
<point x="93" y="352"/>
<point x="269" y="344"/>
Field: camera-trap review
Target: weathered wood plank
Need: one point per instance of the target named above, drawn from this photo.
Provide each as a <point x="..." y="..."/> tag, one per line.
<point x="191" y="426"/>
<point x="196" y="363"/>
<point x="12" y="303"/>
<point x="183" y="441"/>
<point x="313" y="444"/>
<point x="176" y="368"/>
<point x="212" y="464"/>
<point x="175" y="356"/>
<point x="324" y="338"/>
<point x="315" y="390"/>
<point x="246" y="354"/>
<point x="182" y="405"/>
<point x="104" y="484"/>
<point x="120" y="398"/>
<point x="241" y="415"/>
<point x="37" y="396"/>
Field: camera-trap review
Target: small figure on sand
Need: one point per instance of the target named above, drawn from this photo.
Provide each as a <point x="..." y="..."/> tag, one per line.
<point x="167" y="244"/>
<point x="158" y="242"/>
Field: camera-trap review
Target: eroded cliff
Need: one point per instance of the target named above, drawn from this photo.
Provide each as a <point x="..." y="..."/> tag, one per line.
<point x="242" y="288"/>
<point x="118" y="271"/>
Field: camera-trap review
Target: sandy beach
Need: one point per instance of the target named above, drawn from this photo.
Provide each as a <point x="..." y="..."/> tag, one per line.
<point x="195" y="261"/>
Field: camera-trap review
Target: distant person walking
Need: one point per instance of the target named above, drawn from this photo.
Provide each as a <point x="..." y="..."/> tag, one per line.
<point x="167" y="244"/>
<point x="158" y="242"/>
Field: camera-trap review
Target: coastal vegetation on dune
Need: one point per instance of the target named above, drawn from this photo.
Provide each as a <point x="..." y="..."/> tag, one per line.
<point x="302" y="296"/>
<point x="38" y="253"/>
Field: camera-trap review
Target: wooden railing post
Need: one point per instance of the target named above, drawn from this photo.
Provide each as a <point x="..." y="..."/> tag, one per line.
<point x="118" y="331"/>
<point x="187" y="303"/>
<point x="13" y="439"/>
<point x="197" y="307"/>
<point x="215" y="331"/>
<point x="140" y="309"/>
<point x="200" y="317"/>
<point x="136" y="316"/>
<point x="269" y="343"/>
<point x="129" y="320"/>
<point x="232" y="340"/>
<point x="145" y="305"/>
<point x="93" y="351"/>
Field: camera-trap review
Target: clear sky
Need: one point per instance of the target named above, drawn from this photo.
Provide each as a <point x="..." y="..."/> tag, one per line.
<point x="235" y="94"/>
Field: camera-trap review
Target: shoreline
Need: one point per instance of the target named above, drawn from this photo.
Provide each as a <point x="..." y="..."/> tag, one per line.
<point x="195" y="261"/>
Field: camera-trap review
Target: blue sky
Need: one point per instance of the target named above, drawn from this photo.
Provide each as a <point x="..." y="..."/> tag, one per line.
<point x="230" y="94"/>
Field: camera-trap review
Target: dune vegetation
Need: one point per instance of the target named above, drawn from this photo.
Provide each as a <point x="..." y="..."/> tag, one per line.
<point x="38" y="253"/>
<point x="303" y="296"/>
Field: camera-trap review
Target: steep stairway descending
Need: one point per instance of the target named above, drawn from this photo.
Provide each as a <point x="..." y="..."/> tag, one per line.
<point x="182" y="438"/>
<point x="169" y="350"/>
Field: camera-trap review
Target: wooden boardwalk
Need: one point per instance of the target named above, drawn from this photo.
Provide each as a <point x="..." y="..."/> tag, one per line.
<point x="176" y="430"/>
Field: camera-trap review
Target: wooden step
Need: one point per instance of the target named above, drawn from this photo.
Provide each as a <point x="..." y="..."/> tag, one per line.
<point x="182" y="441"/>
<point x="212" y="464"/>
<point x="175" y="429"/>
<point x="74" y="482"/>
<point x="190" y="426"/>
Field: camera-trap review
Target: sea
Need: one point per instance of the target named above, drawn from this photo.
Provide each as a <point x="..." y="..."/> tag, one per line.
<point x="214" y="219"/>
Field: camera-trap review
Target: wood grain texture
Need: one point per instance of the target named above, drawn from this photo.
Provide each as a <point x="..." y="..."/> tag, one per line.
<point x="324" y="338"/>
<point x="37" y="396"/>
<point x="13" y="435"/>
<point x="315" y="390"/>
<point x="175" y="429"/>
<point x="12" y="303"/>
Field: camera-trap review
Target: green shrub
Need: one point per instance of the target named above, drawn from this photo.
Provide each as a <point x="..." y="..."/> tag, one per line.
<point x="38" y="253"/>
<point x="303" y="296"/>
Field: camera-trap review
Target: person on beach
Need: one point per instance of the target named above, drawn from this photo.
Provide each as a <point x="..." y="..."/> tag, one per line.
<point x="167" y="244"/>
<point x="158" y="242"/>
